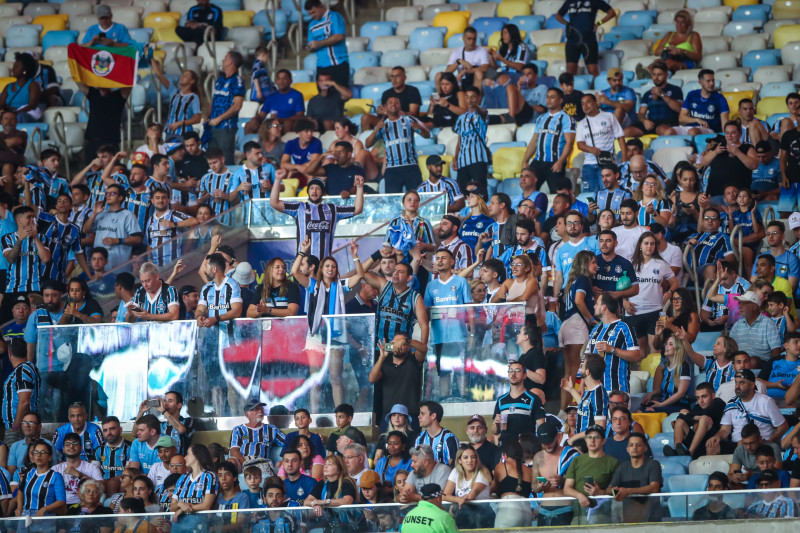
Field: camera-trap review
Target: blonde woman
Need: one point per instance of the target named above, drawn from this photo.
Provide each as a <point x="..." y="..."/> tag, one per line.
<point x="279" y="296"/>
<point x="334" y="489"/>
<point x="478" y="221"/>
<point x="521" y="287"/>
<point x="718" y="366"/>
<point x="469" y="481"/>
<point x="398" y="419"/>
<point x="671" y="380"/>
<point x="653" y="202"/>
<point x="680" y="49"/>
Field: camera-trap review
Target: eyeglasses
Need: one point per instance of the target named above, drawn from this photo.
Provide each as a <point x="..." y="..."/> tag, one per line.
<point x="176" y="465"/>
<point x="71" y="443"/>
<point x="763" y="485"/>
<point x="515" y="371"/>
<point x="648" y="184"/>
<point x="112" y="193"/>
<point x="275" y="126"/>
<point x="40" y="452"/>
<point x="773" y="233"/>
<point x="575" y="223"/>
<point x="517" y="265"/>
<point x="124" y="476"/>
<point x="710" y="218"/>
<point x="351" y="457"/>
<point x="677" y="299"/>
<point x="91" y="491"/>
<point x="25" y="423"/>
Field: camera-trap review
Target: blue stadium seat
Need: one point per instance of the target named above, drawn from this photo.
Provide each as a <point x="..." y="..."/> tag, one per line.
<point x="671" y="467"/>
<point x="638" y="18"/>
<point x="658" y="442"/>
<point x="430" y="149"/>
<point x="59" y="38"/>
<point x="30" y="126"/>
<point x="613" y="36"/>
<point x="683" y="461"/>
<point x="141" y="35"/>
<point x="758" y="12"/>
<point x="375" y="91"/>
<point x="310" y="63"/>
<point x="687" y="483"/>
<point x="489" y="25"/>
<point x="364" y="59"/>
<point x="302" y="76"/>
<point x="671" y="141"/>
<point x="700" y="4"/>
<point x="229" y="5"/>
<point x="553" y="24"/>
<point x="759" y="58"/>
<point x="781" y="88"/>
<point x="454" y="41"/>
<point x="636" y="29"/>
<point x="377" y="28"/>
<point x="510" y="186"/>
<point x="281" y="23"/>
<point x="23" y="35"/>
<point x="425" y="88"/>
<point x="529" y="23"/>
<point x="745" y="27"/>
<point x="426" y="38"/>
<point x="777" y="117"/>
<point x="402" y="58"/>
<point x="541" y="64"/>
<point x="583" y="82"/>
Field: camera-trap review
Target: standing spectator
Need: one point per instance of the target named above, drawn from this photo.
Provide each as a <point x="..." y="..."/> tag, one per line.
<point x="470" y="62"/>
<point x="163" y="227"/>
<point x="216" y="187"/>
<point x="254" y="179"/>
<point x="730" y="163"/>
<point x="220" y="298"/>
<point x="532" y="359"/>
<point x="704" y="110"/>
<point x="326" y="34"/>
<point x="581" y="32"/>
<point x="659" y="107"/>
<point x="615" y="341"/>
<point x="262" y="85"/>
<point x="285" y="105"/>
<point x="436" y="182"/>
<point x="184" y="100"/>
<point x="789" y="157"/>
<point x="41" y="491"/>
<point x="115" y="229"/>
<point x="198" y="18"/>
<point x="754" y="332"/>
<point x="399" y="379"/>
<point x="618" y="99"/>
<point x="410" y="99"/>
<point x="90" y="433"/>
<point x="711" y="245"/>
<point x="638" y="476"/>
<point x="611" y="268"/>
<point x="552" y="463"/>
<point x="254" y="441"/>
<point x="552" y="141"/>
<point x="449" y="239"/>
<point x="443" y="442"/>
<point x="48" y="314"/>
<point x="611" y="195"/>
<point x="572" y="98"/>
<point x="589" y="475"/>
<point x="596" y="135"/>
<point x="74" y="469"/>
<point x="512" y="514"/>
<point x="397" y="132"/>
<point x="225" y="105"/>
<point x="144" y="452"/>
<point x="425" y="470"/>
<point x="154" y="300"/>
<point x="105" y="115"/>
<point x="20" y="391"/>
<point x="563" y="258"/>
<point x="316" y="220"/>
<point x="472" y="152"/>
<point x="106" y="32"/>
<point x="194" y="164"/>
<point x="27" y="251"/>
<point x="15" y="141"/>
<point x="327" y="106"/>
<point x="20" y="311"/>
<point x="516" y="411"/>
<point x="593" y="404"/>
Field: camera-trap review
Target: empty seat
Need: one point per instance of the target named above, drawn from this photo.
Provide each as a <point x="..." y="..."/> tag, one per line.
<point x="371" y="76"/>
<point x="164" y="19"/>
<point x="36" y="9"/>
<point x="633" y="48"/>
<point x="743" y="27"/>
<point x="730" y="75"/>
<point x="56" y="54"/>
<point x="721" y="14"/>
<point x="541" y="37"/>
<point x="786" y="9"/>
<point x="786" y="34"/>
<point x="759" y="12"/>
<point x="513" y="8"/>
<point x="416" y="73"/>
<point x="356" y="44"/>
<point x="670" y="141"/>
<point x="59" y="38"/>
<point x="637" y="18"/>
<point x="745" y="43"/>
<point x="430" y="12"/>
<point x="687" y="483"/>
<point x="364" y="59"/>
<point x="426" y="38"/>
<point x="141" y="35"/>
<point x="489" y="25"/>
<point x="22" y="36"/>
<point x="307" y="89"/>
<point x="700" y="4"/>
<point x="546" y="8"/>
<point x="771" y="105"/>
<point x="407" y="28"/>
<point x="669" y="157"/>
<point x="721" y="60"/>
<point x="507" y="162"/>
<point x="658" y="442"/>
<point x="708" y="464"/>
<point x="480" y="10"/>
<point x="657" y="31"/>
<point x="81" y="23"/>
<point x="773" y="73"/>
<point x="454" y="21"/>
<point x="402" y="14"/>
<point x="790" y="53"/>
<point x="388" y="43"/>
<point x="375" y="29"/>
<point x="130" y="17"/>
<point x="671" y="468"/>
<point x="231" y="19"/>
<point x="247" y="38"/>
<point x="435" y="56"/>
<point x="14" y="9"/>
<point x="528" y="23"/>
<point x="551" y="52"/>
<point x="709" y="29"/>
<point x="759" y="58"/>
<point x="402" y="58"/>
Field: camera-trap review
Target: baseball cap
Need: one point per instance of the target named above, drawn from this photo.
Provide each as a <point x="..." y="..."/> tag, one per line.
<point x="369" y="479"/>
<point x="477" y="418"/>
<point x="352" y="434"/>
<point x="547" y="432"/>
<point x="571" y="407"/>
<point x="747" y="374"/>
<point x="398" y="409"/>
<point x="749" y="296"/>
<point x="187" y="289"/>
<point x="614" y="72"/>
<point x="769" y="476"/>
<point x="794" y="220"/>
<point x="171" y="148"/>
<point x="763" y="147"/>
<point x="430" y="491"/>
<point x="434" y="160"/>
<point x="102" y="11"/>
<point x="318" y="182"/>
<point x="452" y="219"/>
<point x="165" y="441"/>
<point x="21" y="299"/>
<point x="255" y="405"/>
<point x="477" y="191"/>
<point x="596" y="428"/>
<point x="225" y="249"/>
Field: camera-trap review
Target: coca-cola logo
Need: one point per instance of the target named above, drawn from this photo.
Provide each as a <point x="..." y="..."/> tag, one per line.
<point x="318" y="225"/>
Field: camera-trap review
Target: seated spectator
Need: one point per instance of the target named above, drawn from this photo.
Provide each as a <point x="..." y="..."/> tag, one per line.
<point x="344" y="433"/>
<point x="681" y="314"/>
<point x="680" y="49"/>
<point x="643" y="166"/>
<point x="49" y="498"/>
<point x="447" y="103"/>
<point x="106" y="32"/>
<point x="443" y="441"/>
<point x="299" y="153"/>
<point x="469" y="480"/>
<point x="726" y="391"/>
<point x="91" y="495"/>
<point x="685" y="198"/>
<point x="81" y="308"/>
<point x="253" y="441"/>
<point x="355" y="462"/>
<point x="789" y="158"/>
<point x="773" y="503"/>
<point x="408" y="95"/>
<point x="195" y="491"/>
<point x="326" y="107"/>
<point x="144" y="454"/>
<point x="310" y="461"/>
<point x="512" y="480"/>
<point x="715" y="314"/>
<point x="716" y="508"/>
<point x="144" y="489"/>
<point x="336" y="487"/>
<point x="22" y="96"/>
<point x="710" y="245"/>
<point x="754" y="130"/>
<point x="780" y="373"/>
<point x="779" y="310"/>
<point x="527" y="100"/>
<point x="270" y="134"/>
<point x="766" y="460"/>
<point x="347" y="131"/>
<point x="90" y="433"/>
<point x="694" y="426"/>
<point x="396" y="458"/>
<point x="231" y="497"/>
<point x="302" y="421"/>
<point x="398" y="419"/>
<point x="704" y="110"/>
<point x="340" y="170"/>
<point x="286" y="104"/>
<point x="426" y="469"/>
<point x="198" y="19"/>
<point x="127" y="476"/>
<point x="671" y="381"/>
<point x="730" y="162"/>
<point x="166" y="449"/>
<point x="133" y="506"/>
<point x="659" y="107"/>
<point x="74" y="469"/>
<point x="766" y="179"/>
<point x="765" y="270"/>
<point x="470" y="62"/>
<point x="588" y="475"/>
<point x="654" y="206"/>
<point x="618" y="99"/>
<point x="154" y="142"/>
<point x="755" y="333"/>
<point x="507" y="62"/>
<point x="619" y="431"/>
<point x="744" y="464"/>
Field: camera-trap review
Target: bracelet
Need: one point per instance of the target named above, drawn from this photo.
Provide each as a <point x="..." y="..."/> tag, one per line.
<point x="357" y="259"/>
<point x="301" y="254"/>
<point x="122" y="241"/>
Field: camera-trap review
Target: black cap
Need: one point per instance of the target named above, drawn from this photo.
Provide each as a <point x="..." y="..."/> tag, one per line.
<point x="430" y="491"/>
<point x="747" y="374"/>
<point x="434" y="160"/>
<point x="477" y="191"/>
<point x="769" y="476"/>
<point x="655" y="227"/>
<point x="21" y="299"/>
<point x="547" y="433"/>
<point x="225" y="249"/>
<point x="187" y="289"/>
<point x="454" y="220"/>
<point x="596" y="428"/>
<point x="318" y="182"/>
<point x="762" y="147"/>
<point x="254" y="406"/>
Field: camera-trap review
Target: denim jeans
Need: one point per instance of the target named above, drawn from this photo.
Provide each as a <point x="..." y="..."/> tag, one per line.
<point x="591" y="180"/>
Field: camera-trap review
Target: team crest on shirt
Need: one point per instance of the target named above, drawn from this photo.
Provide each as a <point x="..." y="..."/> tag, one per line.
<point x="290" y="100"/>
<point x="452" y="288"/>
<point x="618" y="269"/>
<point x="479" y="225"/>
<point x="608" y="268"/>
<point x="439" y="447"/>
<point x="603" y="123"/>
<point x="710" y="108"/>
<point x="655" y="271"/>
<point x="300" y="491"/>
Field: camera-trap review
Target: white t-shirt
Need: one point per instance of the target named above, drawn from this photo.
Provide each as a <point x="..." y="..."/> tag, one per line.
<point x="476" y="58"/>
<point x="763" y="412"/>
<point x="627" y="239"/>
<point x="674" y="258"/>
<point x="158" y="473"/>
<point x="727" y="391"/>
<point x="71" y="482"/>
<point x="605" y="128"/>
<point x="650" y="276"/>
<point x="466" y="485"/>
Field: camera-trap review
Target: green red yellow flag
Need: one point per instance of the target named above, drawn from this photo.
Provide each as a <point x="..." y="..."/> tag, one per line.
<point x="103" y="66"/>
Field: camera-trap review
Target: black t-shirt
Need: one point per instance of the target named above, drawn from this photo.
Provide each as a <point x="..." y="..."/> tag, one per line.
<point x="532" y="360"/>
<point x="88" y="308"/>
<point x="192" y="166"/>
<point x="330" y="107"/>
<point x="341" y="178"/>
<point x="796" y="469"/>
<point x="275" y="300"/>
<point x="489" y="454"/>
<point x="87" y="525"/>
<point x="572" y="105"/>
<point x="321" y="492"/>
<point x="105" y="115"/>
<point x="726" y="170"/>
<point x="714" y="412"/>
<point x="409" y="95"/>
<point x="582" y="15"/>
<point x="401" y="384"/>
<point x="790" y="143"/>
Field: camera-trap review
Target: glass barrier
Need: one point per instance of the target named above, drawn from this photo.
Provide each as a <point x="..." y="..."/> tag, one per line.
<point x="506" y="513"/>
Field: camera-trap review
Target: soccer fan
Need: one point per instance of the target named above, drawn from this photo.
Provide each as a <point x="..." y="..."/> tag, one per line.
<point x="27" y="252"/>
<point x="20" y="391"/>
<point x="90" y="434"/>
<point x="443" y="442"/>
<point x="612" y="194"/>
<point x="254" y="179"/>
<point x="516" y="411"/>
<point x="144" y="454"/>
<point x="63" y="238"/>
<point x="221" y="298"/>
<point x="615" y="342"/>
<point x="215" y="187"/>
<point x="226" y="101"/>
<point x="449" y="239"/>
<point x="704" y="110"/>
<point x="115" y="229"/>
<point x="552" y="141"/>
<point x="113" y="455"/>
<point x="596" y="135"/>
<point x="552" y="463"/>
<point x="284" y="106"/>
<point x="472" y="152"/>
<point x="711" y="244"/>
<point x="340" y="169"/>
<point x="74" y="469"/>
<point x="581" y="32"/>
<point x="254" y="441"/>
<point x="410" y="99"/>
<point x="659" y="107"/>
<point x="562" y="260"/>
<point x="48" y="314"/>
<point x="162" y="227"/>
<point x="436" y="182"/>
<point x="154" y="300"/>
<point x="326" y="34"/>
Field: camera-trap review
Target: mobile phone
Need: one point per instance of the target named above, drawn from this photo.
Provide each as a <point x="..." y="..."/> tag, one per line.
<point x="592" y="200"/>
<point x="589" y="480"/>
<point x="102" y="35"/>
<point x="153" y="402"/>
<point x="614" y="493"/>
<point x="541" y="479"/>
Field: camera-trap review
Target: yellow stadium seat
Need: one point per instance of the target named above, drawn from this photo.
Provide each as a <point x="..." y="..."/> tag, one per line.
<point x="165" y="34"/>
<point x="737" y="3"/>
<point x="771" y="105"/>
<point x="651" y="422"/>
<point x="507" y="162"/>
<point x="231" y="19"/>
<point x="573" y="154"/>
<point x="290" y="188"/>
<point x="454" y="21"/>
<point x="552" y="52"/>
<point x="51" y="23"/>
<point x="786" y="9"/>
<point x="164" y="19"/>
<point x="6" y="81"/>
<point x="734" y="99"/>
<point x="494" y="39"/>
<point x="650" y="363"/>
<point x="608" y="25"/>
<point x="786" y="34"/>
<point x="356" y="106"/>
<point x="308" y="89"/>
<point x="646" y="140"/>
<point x="448" y="159"/>
<point x="513" y="8"/>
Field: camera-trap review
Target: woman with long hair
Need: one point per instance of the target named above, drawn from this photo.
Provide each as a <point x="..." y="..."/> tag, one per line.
<point x="81" y="308"/>
<point x="23" y="95"/>
<point x="685" y="200"/>
<point x="447" y="103"/>
<point x="410" y="229"/>
<point x="578" y="315"/>
<point x="512" y="481"/>
<point x="49" y="499"/>
<point x="90" y="492"/>
<point x="145" y="490"/>
<point x="469" y="480"/>
<point x="671" y="380"/>
<point x="396" y="459"/>
<point x="279" y="296"/>
<point x="310" y="464"/>
<point x="653" y="273"/>
<point x="745" y="215"/>
<point x="270" y="137"/>
<point x="653" y="202"/>
<point x="347" y="131"/>
<point x="334" y="489"/>
<point x="184" y="101"/>
<point x="398" y="419"/>
<point x="154" y="141"/>
<point x="398" y="482"/>
<point x="325" y="295"/>
<point x="478" y="220"/>
<point x="509" y="59"/>
<point x="126" y="479"/>
<point x="194" y="491"/>
<point x="522" y="286"/>
<point x="679" y="49"/>
<point x="718" y="366"/>
<point x="681" y="313"/>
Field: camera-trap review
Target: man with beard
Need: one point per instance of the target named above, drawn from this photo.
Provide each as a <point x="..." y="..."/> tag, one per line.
<point x="611" y="267"/>
<point x="340" y="170"/>
<point x="116" y="229"/>
<point x="488" y="452"/>
<point x="74" y="469"/>
<point x="436" y="182"/>
<point x="315" y="219"/>
<point x="426" y="470"/>
<point x="526" y="244"/>
<point x="629" y="232"/>
<point x="47" y="314"/>
<point x="563" y="257"/>
<point x="20" y="391"/>
<point x="611" y="195"/>
<point x="135" y="185"/>
<point x="64" y="237"/>
<point x="253" y="441"/>
<point x="254" y="178"/>
<point x="397" y="374"/>
<point x="659" y="107"/>
<point x="518" y="410"/>
<point x="113" y="455"/>
<point x="448" y="236"/>
<point x="18" y="452"/>
<point x="552" y="463"/>
<point x="27" y="251"/>
<point x="298" y="485"/>
<point x="162" y="227"/>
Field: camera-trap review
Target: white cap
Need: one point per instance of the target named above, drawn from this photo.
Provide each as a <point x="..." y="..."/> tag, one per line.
<point x="243" y="274"/>
<point x="794" y="220"/>
<point x="749" y="296"/>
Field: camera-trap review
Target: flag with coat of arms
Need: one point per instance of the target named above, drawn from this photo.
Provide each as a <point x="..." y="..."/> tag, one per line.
<point x="103" y="67"/>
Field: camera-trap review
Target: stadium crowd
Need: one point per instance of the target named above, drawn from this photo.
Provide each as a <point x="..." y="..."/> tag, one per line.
<point x="603" y="282"/>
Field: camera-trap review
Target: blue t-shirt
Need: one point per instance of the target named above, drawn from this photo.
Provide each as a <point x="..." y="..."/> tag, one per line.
<point x="298" y="491"/>
<point x="117" y="32"/>
<point x="583" y="285"/>
<point x="284" y="105"/>
<point x="767" y="177"/>
<point x="657" y="109"/>
<point x="225" y="90"/>
<point x="472" y="227"/>
<point x="708" y="109"/>
<point x="300" y="155"/>
<point x="446" y="327"/>
<point x="142" y="453"/>
<point x="567" y="252"/>
<point x="625" y="93"/>
<point x="777" y="371"/>
<point x="786" y="265"/>
<point x="331" y="23"/>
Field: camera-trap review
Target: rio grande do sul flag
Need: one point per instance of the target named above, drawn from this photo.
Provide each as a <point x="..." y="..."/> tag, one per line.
<point x="110" y="68"/>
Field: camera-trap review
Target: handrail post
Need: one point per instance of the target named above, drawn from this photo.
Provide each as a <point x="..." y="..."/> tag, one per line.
<point x="736" y="233"/>
<point x="61" y="135"/>
<point x="210" y="42"/>
<point x="298" y="47"/>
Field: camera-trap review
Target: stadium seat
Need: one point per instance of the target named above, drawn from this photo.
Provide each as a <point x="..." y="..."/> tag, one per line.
<point x="59" y="38"/>
<point x="759" y="58"/>
<point x="489" y="25"/>
<point x="510" y="187"/>
<point x="430" y="12"/>
<point x="375" y="91"/>
<point x="658" y="442"/>
<point x="426" y="38"/>
<point x="281" y="24"/>
<point x="388" y="43"/>
<point x="513" y="8"/>
<point x="551" y="52"/>
<point x="671" y="141"/>
<point x="5" y="81"/>
<point x="786" y="34"/>
<point x="455" y="41"/>
<point x="758" y="12"/>
<point x="454" y="21"/>
<point x="708" y="464"/>
<point x="364" y="59"/>
<point x="771" y="105"/>
<point x="377" y="28"/>
<point x="246" y="38"/>
<point x="14" y="9"/>
<point x="734" y="98"/>
<point x="700" y="4"/>
<point x="81" y="23"/>
<point x="525" y="132"/>
<point x="480" y="10"/>
<point x="403" y="14"/>
<point x="721" y="60"/>
<point x="624" y="6"/>
<point x="633" y="48"/>
<point x="141" y="35"/>
<point x="669" y="157"/>
<point x="416" y="73"/>
<point x="507" y="162"/>
<point x="371" y="76"/>
<point x="445" y="168"/>
<point x="307" y="89"/>
<point x="657" y="31"/>
<point x="666" y="424"/>
<point x="786" y="9"/>
<point x="687" y="483"/>
<point x="355" y="44"/>
<point x="130" y="17"/>
<point x="403" y="58"/>
<point x="773" y="73"/>
<point x="301" y="76"/>
<point x="744" y="27"/>
<point x="162" y="20"/>
<point x="495" y="41"/>
<point x="36" y="9"/>
<point x="356" y="106"/>
<point x="614" y="36"/>
<point x="154" y="6"/>
<point x="434" y="56"/>
<point x="721" y="14"/>
<point x="51" y="23"/>
<point x="528" y="23"/>
<point x="790" y="53"/>
<point x="671" y="468"/>
<point x="709" y="29"/>
<point x="715" y="45"/>
<point x="746" y="43"/>
<point x="546" y="8"/>
<point x="56" y="54"/>
<point x="541" y="37"/>
<point x="231" y="19"/>
<point x="430" y="149"/>
<point x="23" y="36"/>
<point x="407" y="27"/>
<point x="638" y="18"/>
<point x="728" y="75"/>
<point x="739" y="3"/>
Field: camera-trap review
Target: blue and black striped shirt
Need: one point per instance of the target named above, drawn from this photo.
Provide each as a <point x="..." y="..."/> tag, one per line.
<point x="445" y="445"/>
<point x="471" y="128"/>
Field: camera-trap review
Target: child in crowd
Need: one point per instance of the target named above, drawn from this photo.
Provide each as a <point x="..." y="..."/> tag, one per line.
<point x="231" y="497"/>
<point x="253" y="478"/>
<point x="778" y="309"/>
<point x="262" y="83"/>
